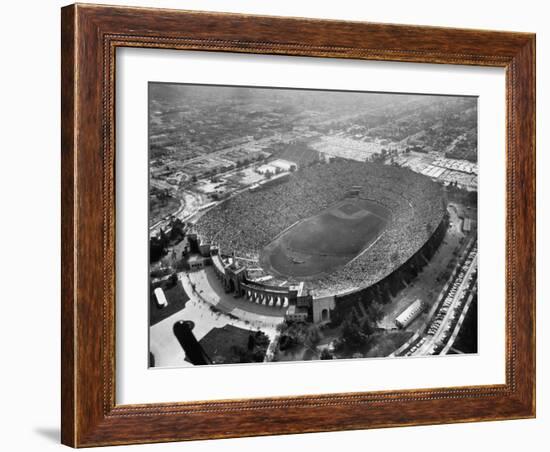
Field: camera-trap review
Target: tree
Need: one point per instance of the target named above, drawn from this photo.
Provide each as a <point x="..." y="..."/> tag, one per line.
<point x="163" y="196"/>
<point x="258" y="356"/>
<point x="156" y="249"/>
<point x="385" y="295"/>
<point x="286" y="342"/>
<point x="355" y="333"/>
<point x="162" y="237"/>
<point x="374" y="313"/>
<point x="313" y="336"/>
<point x="292" y="334"/>
<point x="251" y="342"/>
<point x="368" y="327"/>
<point x="261" y="339"/>
<point x="172" y="280"/>
<point x="472" y="198"/>
<point x="351" y="332"/>
<point x="177" y="229"/>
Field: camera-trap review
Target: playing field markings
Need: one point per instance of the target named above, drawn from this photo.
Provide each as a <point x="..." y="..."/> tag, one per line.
<point x="358" y="221"/>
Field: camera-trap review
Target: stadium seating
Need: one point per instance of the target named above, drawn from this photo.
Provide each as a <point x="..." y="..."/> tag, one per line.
<point x="248" y="222"/>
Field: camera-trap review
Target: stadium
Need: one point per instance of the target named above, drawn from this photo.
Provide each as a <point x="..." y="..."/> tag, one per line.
<point x="335" y="228"/>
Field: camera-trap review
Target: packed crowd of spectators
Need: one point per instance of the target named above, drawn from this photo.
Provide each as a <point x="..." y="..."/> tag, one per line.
<point x="247" y="223"/>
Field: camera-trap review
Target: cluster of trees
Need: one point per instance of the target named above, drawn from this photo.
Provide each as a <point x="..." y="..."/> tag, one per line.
<point x="382" y="156"/>
<point x="465" y="148"/>
<point x="177" y="230"/>
<point x="255" y="350"/>
<point x="461" y="195"/>
<point x="158" y="244"/>
<point x="214" y="173"/>
<point x="251" y="159"/>
<point x="374" y="296"/>
<point x="171" y="281"/>
<point x="356" y="332"/>
<point x="163" y="195"/>
<point x="160" y="272"/>
<point x="294" y="334"/>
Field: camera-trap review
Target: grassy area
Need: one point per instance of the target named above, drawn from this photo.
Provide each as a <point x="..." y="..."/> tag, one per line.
<point x="319" y="244"/>
<point x="176" y="297"/>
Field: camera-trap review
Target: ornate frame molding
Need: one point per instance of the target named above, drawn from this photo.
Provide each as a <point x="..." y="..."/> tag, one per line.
<point x="90" y="37"/>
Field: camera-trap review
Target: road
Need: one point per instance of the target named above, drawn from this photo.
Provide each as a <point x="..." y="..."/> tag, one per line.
<point x="450" y="305"/>
<point x="164" y="344"/>
<point x="189" y="206"/>
<point x="458" y="326"/>
<point x="154" y="228"/>
<point x="444" y="330"/>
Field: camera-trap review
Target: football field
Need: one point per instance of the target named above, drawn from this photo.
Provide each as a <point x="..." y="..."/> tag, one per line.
<point x="322" y="243"/>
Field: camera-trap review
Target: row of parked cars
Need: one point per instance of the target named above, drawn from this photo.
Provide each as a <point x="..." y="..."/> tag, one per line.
<point x="444" y="321"/>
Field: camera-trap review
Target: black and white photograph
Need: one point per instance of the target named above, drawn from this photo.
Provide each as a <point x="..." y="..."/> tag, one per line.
<point x="275" y="226"/>
<point x="294" y="224"/>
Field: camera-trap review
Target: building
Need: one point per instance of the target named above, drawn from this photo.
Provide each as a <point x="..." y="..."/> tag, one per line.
<point x="408" y="315"/>
<point x="162" y="302"/>
<point x="354" y="191"/>
<point x="321" y="308"/>
<point x="467" y="225"/>
<point x="296" y="314"/>
<point x="295" y="301"/>
<point x="196" y="254"/>
<point x="196" y="262"/>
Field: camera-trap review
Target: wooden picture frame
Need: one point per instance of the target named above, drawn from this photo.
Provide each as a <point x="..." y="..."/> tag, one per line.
<point x="90" y="35"/>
